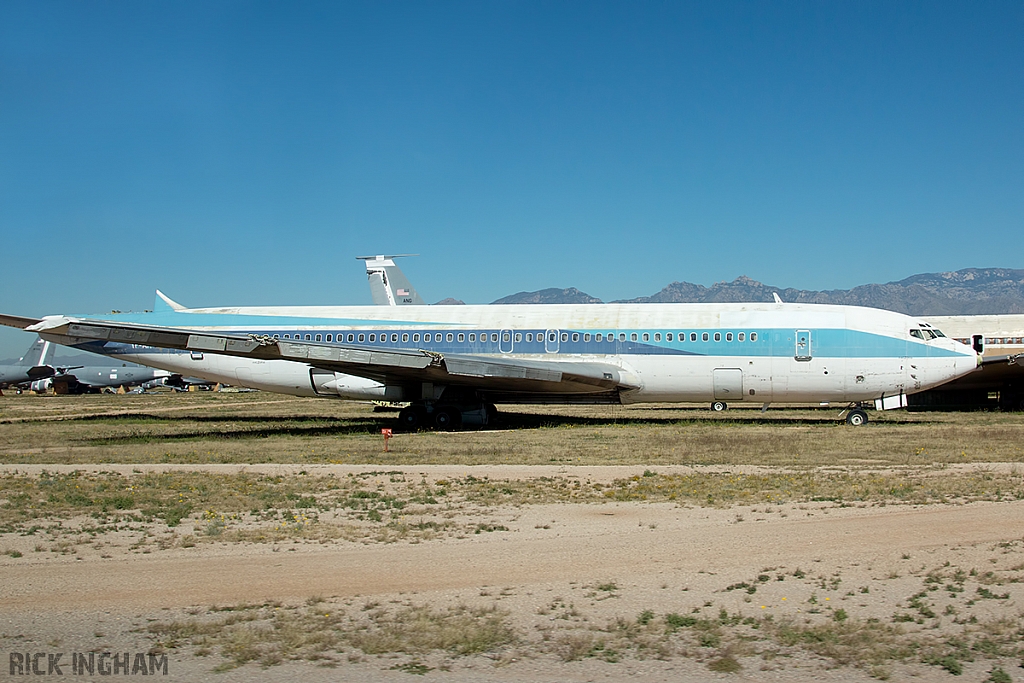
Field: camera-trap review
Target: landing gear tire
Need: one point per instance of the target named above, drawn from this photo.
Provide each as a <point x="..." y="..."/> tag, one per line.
<point x="447" y="419"/>
<point x="411" y="418"/>
<point x="856" y="418"/>
<point x="719" y="406"/>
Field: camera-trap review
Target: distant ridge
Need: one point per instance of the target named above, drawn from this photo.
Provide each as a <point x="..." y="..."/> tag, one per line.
<point x="971" y="291"/>
<point x="550" y="296"/>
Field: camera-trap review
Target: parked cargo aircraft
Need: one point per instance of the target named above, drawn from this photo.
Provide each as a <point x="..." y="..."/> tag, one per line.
<point x="90" y="379"/>
<point x="31" y="367"/>
<point x="454" y="362"/>
<point x="34" y="370"/>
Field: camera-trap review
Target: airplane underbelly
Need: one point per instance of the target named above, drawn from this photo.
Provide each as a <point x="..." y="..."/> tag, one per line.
<point x="925" y="373"/>
<point x="762" y="379"/>
<point x="869" y="378"/>
<point x="681" y="378"/>
<point x="701" y="378"/>
<point x="813" y="380"/>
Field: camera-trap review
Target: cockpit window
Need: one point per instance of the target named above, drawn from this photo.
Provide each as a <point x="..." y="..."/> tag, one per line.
<point x="917" y="334"/>
<point x="937" y="333"/>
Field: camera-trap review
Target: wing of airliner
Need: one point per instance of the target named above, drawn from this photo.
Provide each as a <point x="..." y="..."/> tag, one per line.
<point x="18" y="321"/>
<point x="389" y="366"/>
<point x="1010" y="359"/>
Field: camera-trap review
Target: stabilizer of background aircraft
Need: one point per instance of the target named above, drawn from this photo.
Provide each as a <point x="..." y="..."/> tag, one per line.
<point x="388" y="283"/>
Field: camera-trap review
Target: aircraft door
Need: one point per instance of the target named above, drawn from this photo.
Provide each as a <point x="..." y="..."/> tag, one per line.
<point x="505" y="341"/>
<point x="803" y="345"/>
<point x="728" y="384"/>
<point x="551" y="341"/>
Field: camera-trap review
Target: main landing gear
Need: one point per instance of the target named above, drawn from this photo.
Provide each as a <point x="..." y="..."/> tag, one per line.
<point x="719" y="406"/>
<point x="445" y="417"/>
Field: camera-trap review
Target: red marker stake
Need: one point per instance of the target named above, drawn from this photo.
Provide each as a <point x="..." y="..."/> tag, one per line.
<point x="387" y="435"/>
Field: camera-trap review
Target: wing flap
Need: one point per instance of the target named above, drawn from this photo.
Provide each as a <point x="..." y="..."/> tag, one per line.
<point x="202" y="343"/>
<point x="321" y="355"/>
<point x="477" y="367"/>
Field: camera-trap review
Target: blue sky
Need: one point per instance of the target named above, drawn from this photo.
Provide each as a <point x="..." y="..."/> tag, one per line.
<point x="244" y="153"/>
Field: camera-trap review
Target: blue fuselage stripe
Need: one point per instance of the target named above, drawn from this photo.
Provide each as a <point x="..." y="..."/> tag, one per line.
<point x="823" y="343"/>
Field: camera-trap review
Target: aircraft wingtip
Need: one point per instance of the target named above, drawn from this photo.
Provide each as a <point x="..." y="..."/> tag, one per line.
<point x="164" y="301"/>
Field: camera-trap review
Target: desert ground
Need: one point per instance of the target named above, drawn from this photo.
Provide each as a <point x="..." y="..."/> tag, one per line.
<point x="246" y="536"/>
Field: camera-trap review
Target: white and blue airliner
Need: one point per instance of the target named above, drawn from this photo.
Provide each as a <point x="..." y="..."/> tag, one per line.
<point x="453" y="363"/>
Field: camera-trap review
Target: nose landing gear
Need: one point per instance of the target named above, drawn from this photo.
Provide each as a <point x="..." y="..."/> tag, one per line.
<point x="856" y="417"/>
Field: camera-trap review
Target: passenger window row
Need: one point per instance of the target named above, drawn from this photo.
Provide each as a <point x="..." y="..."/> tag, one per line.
<point x="437" y="337"/>
<point x="717" y="336"/>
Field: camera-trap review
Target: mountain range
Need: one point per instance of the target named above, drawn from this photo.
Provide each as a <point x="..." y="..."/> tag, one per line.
<point x="971" y="291"/>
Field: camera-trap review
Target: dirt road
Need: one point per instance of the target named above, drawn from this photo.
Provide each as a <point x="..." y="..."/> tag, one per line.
<point x="584" y="543"/>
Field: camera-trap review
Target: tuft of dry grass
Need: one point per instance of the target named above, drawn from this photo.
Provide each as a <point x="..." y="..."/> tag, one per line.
<point x="459" y="630"/>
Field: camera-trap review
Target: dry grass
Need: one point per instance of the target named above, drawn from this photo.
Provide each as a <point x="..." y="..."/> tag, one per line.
<point x="257" y="428"/>
<point x="725" y="639"/>
<point x="237" y="507"/>
<point x="421" y="629"/>
<point x="270" y="633"/>
<point x="917" y="486"/>
<point x="387" y="507"/>
<point x="329" y="631"/>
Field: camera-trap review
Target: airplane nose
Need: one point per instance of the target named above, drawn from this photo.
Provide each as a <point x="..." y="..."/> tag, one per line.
<point x="967" y="364"/>
<point x="964" y="363"/>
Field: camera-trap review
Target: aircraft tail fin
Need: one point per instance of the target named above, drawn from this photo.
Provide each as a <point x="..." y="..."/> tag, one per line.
<point x="46" y="357"/>
<point x="165" y="303"/>
<point x="388" y="283"/>
<point x="38" y="354"/>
